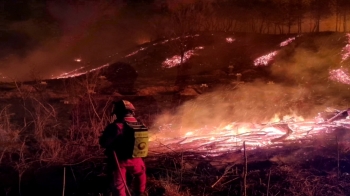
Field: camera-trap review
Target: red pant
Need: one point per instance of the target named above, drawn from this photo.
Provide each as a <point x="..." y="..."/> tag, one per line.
<point x="134" y="166"/>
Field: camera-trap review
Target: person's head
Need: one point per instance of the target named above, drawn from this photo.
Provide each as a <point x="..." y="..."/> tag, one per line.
<point x="123" y="108"/>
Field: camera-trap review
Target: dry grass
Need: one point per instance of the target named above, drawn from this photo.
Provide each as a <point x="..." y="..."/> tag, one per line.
<point x="42" y="140"/>
<point x="36" y="136"/>
<point x="311" y="171"/>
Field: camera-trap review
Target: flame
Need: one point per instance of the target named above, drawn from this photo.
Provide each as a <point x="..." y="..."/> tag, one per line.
<point x="340" y="75"/>
<point x="346" y="49"/>
<point x="176" y="60"/>
<point x="275" y="118"/>
<point x="264" y="60"/>
<point x="189" y="133"/>
<point x="242" y="130"/>
<point x="133" y="53"/>
<point x="230" y="39"/>
<point x="286" y="42"/>
<point x="217" y="140"/>
<point x="77" y="72"/>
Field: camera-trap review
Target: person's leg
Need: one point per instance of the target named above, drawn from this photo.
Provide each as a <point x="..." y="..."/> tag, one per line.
<point x="119" y="180"/>
<point x="139" y="171"/>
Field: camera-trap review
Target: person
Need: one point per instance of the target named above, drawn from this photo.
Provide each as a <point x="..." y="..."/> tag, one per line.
<point x="118" y="139"/>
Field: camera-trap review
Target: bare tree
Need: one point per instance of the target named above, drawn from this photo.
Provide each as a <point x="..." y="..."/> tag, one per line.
<point x="318" y="10"/>
<point x="207" y="16"/>
<point x="300" y="14"/>
<point x="341" y="9"/>
<point x="184" y="21"/>
<point x="265" y="16"/>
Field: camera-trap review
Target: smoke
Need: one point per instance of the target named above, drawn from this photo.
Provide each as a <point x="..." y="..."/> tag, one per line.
<point x="309" y="60"/>
<point x="300" y="88"/>
<point x="308" y="63"/>
<point x="247" y="103"/>
<point x="94" y="31"/>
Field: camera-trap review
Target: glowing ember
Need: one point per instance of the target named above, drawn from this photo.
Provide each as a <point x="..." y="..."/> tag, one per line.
<point x="230" y="40"/>
<point x="264" y="60"/>
<point x="346" y="49"/>
<point x="79" y="71"/>
<point x="70" y="73"/>
<point x="76" y="72"/>
<point x="2" y="76"/>
<point x="340" y="75"/>
<point x="176" y="60"/>
<point x="133" y="53"/>
<point x="288" y="41"/>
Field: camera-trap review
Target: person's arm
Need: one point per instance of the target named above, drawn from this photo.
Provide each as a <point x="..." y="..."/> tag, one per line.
<point x="108" y="136"/>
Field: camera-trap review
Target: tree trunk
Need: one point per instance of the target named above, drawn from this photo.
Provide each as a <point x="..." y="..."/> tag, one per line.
<point x="336" y="21"/>
<point x="344" y="22"/>
<point x="299" y="25"/>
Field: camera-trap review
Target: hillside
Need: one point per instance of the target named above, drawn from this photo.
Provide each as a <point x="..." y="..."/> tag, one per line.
<point x="193" y="110"/>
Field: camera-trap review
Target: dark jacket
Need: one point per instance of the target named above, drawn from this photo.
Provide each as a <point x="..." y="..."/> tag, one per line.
<point x="117" y="137"/>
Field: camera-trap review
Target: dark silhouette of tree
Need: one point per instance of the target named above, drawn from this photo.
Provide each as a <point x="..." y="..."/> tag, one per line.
<point x="341" y="9"/>
<point x="294" y="14"/>
<point x="265" y="8"/>
<point x="276" y="16"/>
<point x="250" y="8"/>
<point x="224" y="15"/>
<point x="300" y="14"/>
<point x="319" y="9"/>
<point x="207" y="16"/>
<point x="184" y="22"/>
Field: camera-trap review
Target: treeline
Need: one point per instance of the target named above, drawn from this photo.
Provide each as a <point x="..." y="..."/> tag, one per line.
<point x="257" y="16"/>
<point x="117" y="25"/>
<point x="164" y="16"/>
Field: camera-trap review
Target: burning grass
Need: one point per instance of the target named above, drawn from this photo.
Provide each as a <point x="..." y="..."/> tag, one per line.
<point x="317" y="167"/>
<point x="41" y="146"/>
<point x="47" y="139"/>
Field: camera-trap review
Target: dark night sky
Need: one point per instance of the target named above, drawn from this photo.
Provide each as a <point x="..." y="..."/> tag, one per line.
<point x="45" y="37"/>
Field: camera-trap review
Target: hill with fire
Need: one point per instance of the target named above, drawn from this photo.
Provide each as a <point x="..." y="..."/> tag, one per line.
<point x="228" y="113"/>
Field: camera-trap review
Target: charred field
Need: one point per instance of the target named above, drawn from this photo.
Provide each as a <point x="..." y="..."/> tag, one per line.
<point x="208" y="119"/>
